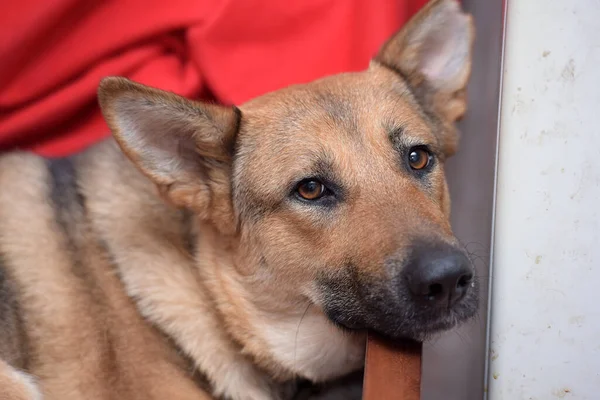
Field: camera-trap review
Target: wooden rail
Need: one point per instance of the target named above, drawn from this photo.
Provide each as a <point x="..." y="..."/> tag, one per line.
<point x="392" y="371"/>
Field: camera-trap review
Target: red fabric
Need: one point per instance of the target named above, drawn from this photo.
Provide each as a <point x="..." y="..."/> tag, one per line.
<point x="53" y="53"/>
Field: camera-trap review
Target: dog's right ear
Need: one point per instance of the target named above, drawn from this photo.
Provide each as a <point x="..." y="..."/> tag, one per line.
<point x="184" y="147"/>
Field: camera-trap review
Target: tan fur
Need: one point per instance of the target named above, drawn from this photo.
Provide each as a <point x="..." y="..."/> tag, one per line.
<point x="113" y="302"/>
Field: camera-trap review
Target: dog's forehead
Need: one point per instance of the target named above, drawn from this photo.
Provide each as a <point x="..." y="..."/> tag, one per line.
<point x="350" y="124"/>
<point x="353" y="105"/>
<point x="348" y="129"/>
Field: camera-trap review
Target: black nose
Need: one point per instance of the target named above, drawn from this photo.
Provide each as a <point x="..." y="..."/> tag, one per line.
<point x="439" y="276"/>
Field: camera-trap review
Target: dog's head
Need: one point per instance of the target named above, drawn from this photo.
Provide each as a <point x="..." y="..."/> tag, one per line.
<point x="334" y="190"/>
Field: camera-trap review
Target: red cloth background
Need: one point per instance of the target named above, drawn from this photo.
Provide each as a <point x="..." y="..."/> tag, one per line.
<point x="54" y="52"/>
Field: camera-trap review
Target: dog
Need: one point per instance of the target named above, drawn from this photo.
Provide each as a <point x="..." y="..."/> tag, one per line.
<point x="208" y="252"/>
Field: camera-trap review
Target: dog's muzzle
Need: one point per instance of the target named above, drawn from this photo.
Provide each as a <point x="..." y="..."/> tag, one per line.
<point x="432" y="291"/>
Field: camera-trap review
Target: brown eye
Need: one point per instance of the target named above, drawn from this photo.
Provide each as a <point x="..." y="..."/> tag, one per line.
<point x="311" y="190"/>
<point x="419" y="158"/>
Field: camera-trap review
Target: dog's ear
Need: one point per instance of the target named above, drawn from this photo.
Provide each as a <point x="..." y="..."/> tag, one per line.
<point x="433" y="54"/>
<point x="184" y="147"/>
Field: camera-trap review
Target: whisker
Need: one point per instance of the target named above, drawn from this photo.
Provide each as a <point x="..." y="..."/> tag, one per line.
<point x="298" y="331"/>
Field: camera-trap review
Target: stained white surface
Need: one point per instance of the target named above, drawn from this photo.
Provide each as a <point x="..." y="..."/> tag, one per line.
<point x="545" y="317"/>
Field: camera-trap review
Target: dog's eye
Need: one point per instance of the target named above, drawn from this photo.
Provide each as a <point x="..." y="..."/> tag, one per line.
<point x="419" y="158"/>
<point x="311" y="189"/>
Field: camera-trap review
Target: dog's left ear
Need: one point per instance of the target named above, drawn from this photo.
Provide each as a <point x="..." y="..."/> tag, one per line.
<point x="433" y="54"/>
<point x="185" y="147"/>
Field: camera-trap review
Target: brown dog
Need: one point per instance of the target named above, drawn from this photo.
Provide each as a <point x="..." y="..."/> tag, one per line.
<point x="284" y="229"/>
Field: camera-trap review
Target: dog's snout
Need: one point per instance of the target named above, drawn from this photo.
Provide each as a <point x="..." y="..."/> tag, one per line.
<point x="427" y="289"/>
<point x="439" y="277"/>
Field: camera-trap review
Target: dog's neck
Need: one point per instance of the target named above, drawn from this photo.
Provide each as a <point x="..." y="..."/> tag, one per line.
<point x="217" y="308"/>
<point x="286" y="334"/>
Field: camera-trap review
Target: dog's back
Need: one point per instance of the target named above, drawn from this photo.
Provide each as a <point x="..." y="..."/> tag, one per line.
<point x="64" y="316"/>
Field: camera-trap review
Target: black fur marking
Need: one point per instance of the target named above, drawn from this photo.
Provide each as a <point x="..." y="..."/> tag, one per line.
<point x="64" y="193"/>
<point x="232" y="146"/>
<point x="396" y="136"/>
<point x="13" y="342"/>
<point x="69" y="207"/>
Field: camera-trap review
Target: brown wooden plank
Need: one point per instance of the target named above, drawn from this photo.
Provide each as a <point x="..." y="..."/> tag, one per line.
<point x="392" y="371"/>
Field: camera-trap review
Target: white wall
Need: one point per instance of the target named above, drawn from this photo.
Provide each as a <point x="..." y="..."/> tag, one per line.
<point x="545" y="316"/>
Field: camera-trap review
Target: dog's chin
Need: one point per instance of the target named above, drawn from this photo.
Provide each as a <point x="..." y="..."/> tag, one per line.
<point x="420" y="327"/>
<point x="390" y="310"/>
